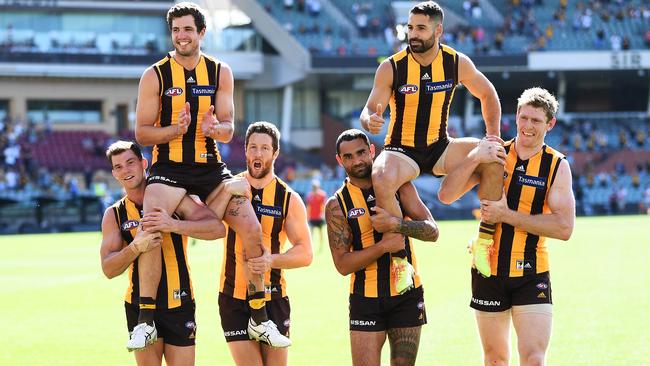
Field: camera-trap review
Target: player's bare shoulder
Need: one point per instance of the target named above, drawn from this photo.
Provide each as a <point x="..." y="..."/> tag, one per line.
<point x="338" y="230"/>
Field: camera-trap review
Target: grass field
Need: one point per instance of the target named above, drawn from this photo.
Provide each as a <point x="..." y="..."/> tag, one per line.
<point x="57" y="308"/>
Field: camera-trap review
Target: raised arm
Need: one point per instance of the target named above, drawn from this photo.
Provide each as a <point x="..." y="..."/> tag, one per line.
<point x="147" y="111"/>
<point x="481" y="88"/>
<point x="419" y="223"/>
<point x="557" y="224"/>
<point x="340" y="240"/>
<point x="197" y="221"/>
<point x="371" y="117"/>
<point x="115" y="255"/>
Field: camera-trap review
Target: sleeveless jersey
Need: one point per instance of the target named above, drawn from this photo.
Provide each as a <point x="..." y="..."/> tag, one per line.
<point x="527" y="182"/>
<point x="271" y="204"/>
<point x="376" y="280"/>
<point x="178" y="86"/>
<point x="175" y="283"/>
<point x="421" y="97"/>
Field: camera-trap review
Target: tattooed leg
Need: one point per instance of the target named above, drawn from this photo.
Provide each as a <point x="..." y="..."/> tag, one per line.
<point x="404" y="343"/>
<point x="241" y="218"/>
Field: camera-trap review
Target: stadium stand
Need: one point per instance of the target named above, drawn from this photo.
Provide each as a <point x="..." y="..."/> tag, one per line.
<point x="53" y="174"/>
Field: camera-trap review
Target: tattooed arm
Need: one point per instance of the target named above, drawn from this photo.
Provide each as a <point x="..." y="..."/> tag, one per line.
<point x="421" y="225"/>
<point x="340" y="239"/>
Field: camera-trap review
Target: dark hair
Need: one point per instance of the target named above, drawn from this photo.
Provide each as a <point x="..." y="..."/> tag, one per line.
<point x="187" y="8"/>
<point x="264" y="127"/>
<point x="121" y="146"/>
<point x="350" y="135"/>
<point x="430" y="8"/>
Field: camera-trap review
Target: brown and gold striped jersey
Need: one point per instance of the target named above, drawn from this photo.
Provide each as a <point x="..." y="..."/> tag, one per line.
<point x="178" y="86"/>
<point x="175" y="286"/>
<point x="376" y="280"/>
<point x="527" y="182"/>
<point x="421" y="97"/>
<point x="271" y="204"/>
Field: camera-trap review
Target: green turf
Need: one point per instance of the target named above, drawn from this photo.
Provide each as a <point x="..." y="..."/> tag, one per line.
<point x="58" y="309"/>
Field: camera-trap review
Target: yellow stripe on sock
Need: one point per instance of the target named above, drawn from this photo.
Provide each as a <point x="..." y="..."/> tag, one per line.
<point x="256" y="303"/>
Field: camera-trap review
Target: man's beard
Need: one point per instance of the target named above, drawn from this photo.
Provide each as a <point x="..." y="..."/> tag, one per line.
<point x="422" y="46"/>
<point x="188" y="52"/>
<point x="266" y="169"/>
<point x="365" y="173"/>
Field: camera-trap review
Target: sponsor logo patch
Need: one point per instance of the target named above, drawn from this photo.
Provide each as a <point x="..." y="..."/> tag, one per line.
<point x="541" y="295"/>
<point x="527" y="180"/>
<point x="203" y="90"/>
<point x="272" y="211"/>
<point x="129" y="225"/>
<point x="174" y="91"/>
<point x="408" y="89"/>
<point x="426" y="76"/>
<point x="232" y="333"/>
<point x="439" y="86"/>
<point x="356" y="212"/>
<point x="161" y="178"/>
<point x="524" y="264"/>
<point x="542" y="286"/>
<point x="365" y="323"/>
<point x="190" y="325"/>
<point x="287" y="323"/>
<point x="179" y="294"/>
<point x="486" y="302"/>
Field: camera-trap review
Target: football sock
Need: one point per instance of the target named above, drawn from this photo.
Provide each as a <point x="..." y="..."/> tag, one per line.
<point x="257" y="304"/>
<point x="147" y="310"/>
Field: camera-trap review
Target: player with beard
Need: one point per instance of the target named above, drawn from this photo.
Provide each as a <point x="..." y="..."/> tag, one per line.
<point x="185" y="106"/>
<point x="418" y="84"/>
<point x="354" y="228"/>
<point x="283" y="217"/>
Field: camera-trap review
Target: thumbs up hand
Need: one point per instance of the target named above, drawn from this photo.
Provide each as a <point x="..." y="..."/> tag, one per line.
<point x="376" y="120"/>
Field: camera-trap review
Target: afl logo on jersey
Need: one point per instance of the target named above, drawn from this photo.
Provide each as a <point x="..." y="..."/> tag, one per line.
<point x="129" y="225"/>
<point x="408" y="89"/>
<point x="356" y="212"/>
<point x="174" y="91"/>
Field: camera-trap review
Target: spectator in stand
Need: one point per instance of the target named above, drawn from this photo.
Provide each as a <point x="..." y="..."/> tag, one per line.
<point x="626" y="43"/>
<point x="644" y="204"/>
<point x="314" y="7"/>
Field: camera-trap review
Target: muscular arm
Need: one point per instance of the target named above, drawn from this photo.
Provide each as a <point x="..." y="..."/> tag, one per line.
<point x="380" y="93"/>
<point x="481" y="88"/>
<point x="295" y="225"/>
<point x="225" y="109"/>
<point x="558" y="223"/>
<point x="422" y="226"/>
<point x="146" y="113"/>
<point x="340" y="240"/>
<point x="198" y="221"/>
<point x="420" y="223"/>
<point x="115" y="255"/>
